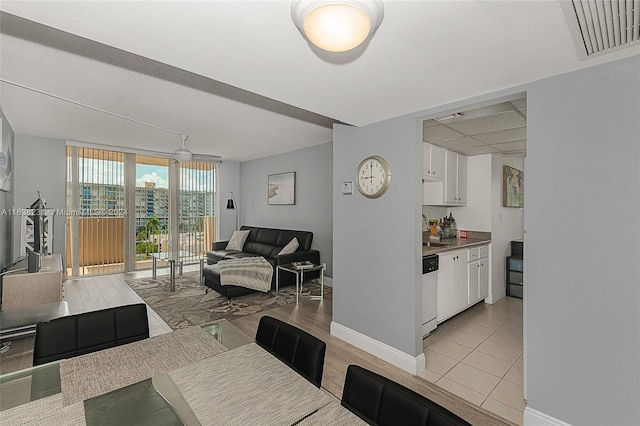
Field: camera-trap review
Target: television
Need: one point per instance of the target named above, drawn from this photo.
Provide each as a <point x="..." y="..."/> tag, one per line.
<point x="38" y="207"/>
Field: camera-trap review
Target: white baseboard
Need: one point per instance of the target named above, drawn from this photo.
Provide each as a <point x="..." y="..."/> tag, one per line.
<point x="534" y="417"/>
<point x="328" y="281"/>
<point x="409" y="363"/>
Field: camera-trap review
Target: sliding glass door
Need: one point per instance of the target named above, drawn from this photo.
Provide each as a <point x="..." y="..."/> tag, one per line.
<point x="122" y="208"/>
<point x="151" y="208"/>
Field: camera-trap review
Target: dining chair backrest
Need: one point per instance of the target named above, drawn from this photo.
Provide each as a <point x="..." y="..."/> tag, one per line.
<point x="295" y="347"/>
<point x="88" y="332"/>
<point x="381" y="401"/>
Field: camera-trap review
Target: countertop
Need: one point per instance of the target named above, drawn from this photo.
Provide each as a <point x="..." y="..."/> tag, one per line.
<point x="454" y="244"/>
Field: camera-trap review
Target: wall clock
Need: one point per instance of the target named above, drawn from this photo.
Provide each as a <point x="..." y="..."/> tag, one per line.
<point x="374" y="176"/>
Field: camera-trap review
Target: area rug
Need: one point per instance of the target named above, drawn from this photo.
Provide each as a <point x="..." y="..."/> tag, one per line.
<point x="189" y="305"/>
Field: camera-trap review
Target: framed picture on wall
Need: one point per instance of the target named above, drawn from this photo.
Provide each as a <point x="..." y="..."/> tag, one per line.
<point x="512" y="187"/>
<point x="281" y="189"/>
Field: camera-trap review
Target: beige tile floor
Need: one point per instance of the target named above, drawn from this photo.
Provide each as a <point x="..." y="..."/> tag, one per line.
<point x="477" y="355"/>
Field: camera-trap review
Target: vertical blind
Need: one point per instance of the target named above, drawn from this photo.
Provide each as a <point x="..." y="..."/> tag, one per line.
<point x="95" y="202"/>
<point x="196" y="223"/>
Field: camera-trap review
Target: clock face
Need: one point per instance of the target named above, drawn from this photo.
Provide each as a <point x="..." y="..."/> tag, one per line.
<point x="374" y="176"/>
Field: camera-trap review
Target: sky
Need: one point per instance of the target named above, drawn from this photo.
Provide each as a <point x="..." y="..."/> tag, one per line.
<point x="149" y="173"/>
<point x="112" y="172"/>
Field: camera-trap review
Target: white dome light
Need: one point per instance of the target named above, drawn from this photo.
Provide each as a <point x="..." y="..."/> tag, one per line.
<point x="337" y="25"/>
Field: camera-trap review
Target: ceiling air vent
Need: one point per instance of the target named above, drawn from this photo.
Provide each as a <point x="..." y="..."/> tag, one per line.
<point x="601" y="26"/>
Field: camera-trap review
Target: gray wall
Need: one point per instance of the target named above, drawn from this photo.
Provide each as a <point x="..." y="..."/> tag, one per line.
<point x="376" y="241"/>
<point x="227" y="179"/>
<point x="40" y="164"/>
<point x="6" y="198"/>
<point x="582" y="298"/>
<point x="313" y="208"/>
<point x="582" y="222"/>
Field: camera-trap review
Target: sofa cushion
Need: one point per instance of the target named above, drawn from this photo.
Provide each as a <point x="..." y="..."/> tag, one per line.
<point x="265" y="250"/>
<point x="291" y="247"/>
<point x="304" y="239"/>
<point x="268" y="236"/>
<point x="239" y="255"/>
<point x="215" y="256"/>
<point x="237" y="240"/>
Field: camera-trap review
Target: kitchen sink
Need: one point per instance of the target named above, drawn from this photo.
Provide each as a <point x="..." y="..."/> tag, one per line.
<point x="435" y="244"/>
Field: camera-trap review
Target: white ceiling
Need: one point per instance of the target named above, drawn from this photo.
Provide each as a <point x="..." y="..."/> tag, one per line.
<point x="239" y="79"/>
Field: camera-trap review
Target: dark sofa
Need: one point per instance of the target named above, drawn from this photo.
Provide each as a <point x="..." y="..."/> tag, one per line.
<point x="265" y="242"/>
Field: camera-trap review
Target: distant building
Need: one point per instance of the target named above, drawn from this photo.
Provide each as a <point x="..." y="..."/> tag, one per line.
<point x="150" y="201"/>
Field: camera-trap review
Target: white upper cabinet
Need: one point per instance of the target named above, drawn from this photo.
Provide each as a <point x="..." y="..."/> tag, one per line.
<point x="455" y="182"/>
<point x="438" y="163"/>
<point x="432" y="162"/>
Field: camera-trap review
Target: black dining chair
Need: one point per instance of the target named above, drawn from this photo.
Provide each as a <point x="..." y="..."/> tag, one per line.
<point x="298" y="349"/>
<point x="88" y="332"/>
<point x="381" y="401"/>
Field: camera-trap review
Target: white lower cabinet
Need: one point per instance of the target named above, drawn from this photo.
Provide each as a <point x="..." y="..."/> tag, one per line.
<point x="463" y="280"/>
<point x="478" y="273"/>
<point x="452" y="284"/>
<point x="483" y="278"/>
<point x="474" y="281"/>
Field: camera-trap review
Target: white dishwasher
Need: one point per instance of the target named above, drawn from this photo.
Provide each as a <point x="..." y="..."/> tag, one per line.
<point x="430" y="264"/>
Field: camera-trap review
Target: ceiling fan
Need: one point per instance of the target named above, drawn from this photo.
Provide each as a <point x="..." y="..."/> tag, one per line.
<point x="184" y="154"/>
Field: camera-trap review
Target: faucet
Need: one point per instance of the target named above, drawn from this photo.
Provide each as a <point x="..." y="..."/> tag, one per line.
<point x="426" y="222"/>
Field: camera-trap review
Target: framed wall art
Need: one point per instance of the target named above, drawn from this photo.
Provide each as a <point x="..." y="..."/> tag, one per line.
<point x="512" y="187"/>
<point x="5" y="161"/>
<point x="281" y="189"/>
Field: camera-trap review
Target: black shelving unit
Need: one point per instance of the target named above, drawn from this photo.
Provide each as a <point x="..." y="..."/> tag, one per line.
<point x="515" y="270"/>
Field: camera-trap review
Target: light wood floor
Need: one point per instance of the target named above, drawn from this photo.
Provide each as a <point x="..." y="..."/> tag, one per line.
<point x="87" y="294"/>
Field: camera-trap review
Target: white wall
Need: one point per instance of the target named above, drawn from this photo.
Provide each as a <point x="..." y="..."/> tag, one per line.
<point x="507" y="224"/>
<point x="40" y="164"/>
<point x="476" y="215"/>
<point x="582" y="291"/>
<point x="314" y="203"/>
<point x="7" y="198"/>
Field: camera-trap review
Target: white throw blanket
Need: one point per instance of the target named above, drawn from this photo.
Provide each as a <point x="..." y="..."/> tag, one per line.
<point x="249" y="272"/>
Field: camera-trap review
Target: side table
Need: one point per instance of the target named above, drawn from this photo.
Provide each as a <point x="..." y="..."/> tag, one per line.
<point x="299" y="273"/>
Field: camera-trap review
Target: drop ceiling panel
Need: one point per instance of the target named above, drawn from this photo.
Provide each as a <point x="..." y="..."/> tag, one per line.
<point x="500" y="121"/>
<point x="479" y="112"/>
<point x="520" y="103"/>
<point x="511" y="146"/>
<point x="478" y="150"/>
<point x="503" y="136"/>
<point x="439" y="133"/>
<point x="430" y="123"/>
<point x="458" y="143"/>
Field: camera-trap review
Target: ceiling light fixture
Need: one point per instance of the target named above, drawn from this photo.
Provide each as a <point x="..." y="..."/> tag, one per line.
<point x="337" y="25"/>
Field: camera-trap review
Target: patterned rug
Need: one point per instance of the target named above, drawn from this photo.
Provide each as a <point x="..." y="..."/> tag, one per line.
<point x="189" y="305"/>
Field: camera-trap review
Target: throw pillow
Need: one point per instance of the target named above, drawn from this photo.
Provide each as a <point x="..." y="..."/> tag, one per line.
<point x="237" y="240"/>
<point x="291" y="247"/>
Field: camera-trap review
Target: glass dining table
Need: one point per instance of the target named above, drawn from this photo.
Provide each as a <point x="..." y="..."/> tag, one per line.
<point x="42" y="381"/>
<point x="241" y="383"/>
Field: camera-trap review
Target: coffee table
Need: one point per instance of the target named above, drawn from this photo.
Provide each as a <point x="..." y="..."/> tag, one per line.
<point x="173" y="257"/>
